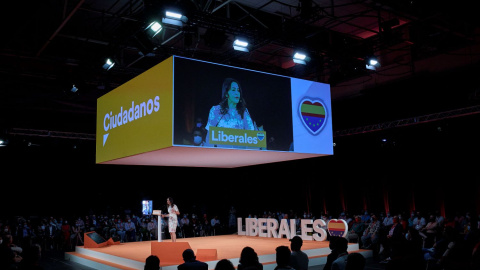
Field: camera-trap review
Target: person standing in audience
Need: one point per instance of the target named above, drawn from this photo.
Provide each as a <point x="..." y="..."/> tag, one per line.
<point x="232" y="219"/>
<point x="66" y="232"/>
<point x="215" y="225"/>
<point x="76" y="237"/>
<point x="50" y="232"/>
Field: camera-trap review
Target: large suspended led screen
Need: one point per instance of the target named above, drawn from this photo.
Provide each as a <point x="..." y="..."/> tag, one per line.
<point x="219" y="106"/>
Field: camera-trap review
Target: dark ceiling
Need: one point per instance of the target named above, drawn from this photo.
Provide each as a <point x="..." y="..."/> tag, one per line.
<point x="426" y="48"/>
<point x="429" y="51"/>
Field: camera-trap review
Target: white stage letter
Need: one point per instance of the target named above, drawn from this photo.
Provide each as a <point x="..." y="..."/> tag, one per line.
<point x="321" y="234"/>
<point x="240" y="230"/>
<point x="285" y="229"/>
<point x="305" y="229"/>
<point x="272" y="227"/>
<point x="262" y="227"/>
<point x="252" y="226"/>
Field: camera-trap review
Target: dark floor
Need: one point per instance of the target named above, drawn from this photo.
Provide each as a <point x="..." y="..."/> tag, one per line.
<point x="54" y="260"/>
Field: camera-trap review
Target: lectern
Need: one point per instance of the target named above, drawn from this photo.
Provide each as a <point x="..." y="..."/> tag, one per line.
<point x="159" y="223"/>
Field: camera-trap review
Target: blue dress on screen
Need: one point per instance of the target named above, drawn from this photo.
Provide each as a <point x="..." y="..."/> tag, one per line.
<point x="232" y="119"/>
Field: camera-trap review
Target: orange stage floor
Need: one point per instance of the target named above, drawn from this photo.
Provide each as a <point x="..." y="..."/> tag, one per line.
<point x="132" y="255"/>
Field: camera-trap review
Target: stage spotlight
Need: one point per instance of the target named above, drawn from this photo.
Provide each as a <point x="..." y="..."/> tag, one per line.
<point x="174" y="18"/>
<point x="372" y="63"/>
<point x="74" y="89"/>
<point x="3" y="143"/>
<point x="300" y="58"/>
<point x="240" y="45"/>
<point x="153" y="29"/>
<point x="108" y="64"/>
<point x="173" y="15"/>
<point x="144" y="38"/>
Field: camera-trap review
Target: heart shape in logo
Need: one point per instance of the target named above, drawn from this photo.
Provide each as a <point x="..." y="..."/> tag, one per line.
<point x="337" y="227"/>
<point x="313" y="114"/>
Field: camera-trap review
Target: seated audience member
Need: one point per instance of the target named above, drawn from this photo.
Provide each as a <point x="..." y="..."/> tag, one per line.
<point x="152" y="263"/>
<point x="356" y="230"/>
<point x="371" y="234"/>
<point x="409" y="255"/>
<point x="342" y="246"/>
<point x="393" y="240"/>
<point x="120" y="230"/>
<point x="249" y="260"/>
<point x="9" y="258"/>
<point x="419" y="221"/>
<point x="31" y="258"/>
<point x="366" y="218"/>
<point x="436" y="253"/>
<point x="282" y="257"/>
<point x="130" y="230"/>
<point x="429" y="231"/>
<point x="333" y="253"/>
<point x="224" y="264"/>
<point x="191" y="262"/>
<point x="298" y="259"/>
<point x="355" y="261"/>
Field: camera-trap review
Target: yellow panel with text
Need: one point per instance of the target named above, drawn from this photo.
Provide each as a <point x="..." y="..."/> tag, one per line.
<point x="137" y="116"/>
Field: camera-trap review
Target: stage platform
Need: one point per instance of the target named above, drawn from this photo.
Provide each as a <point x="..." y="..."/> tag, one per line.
<point x="132" y="255"/>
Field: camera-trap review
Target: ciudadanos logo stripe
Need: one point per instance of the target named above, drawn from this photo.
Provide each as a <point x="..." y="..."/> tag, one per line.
<point x="136" y="117"/>
<point x="127" y="115"/>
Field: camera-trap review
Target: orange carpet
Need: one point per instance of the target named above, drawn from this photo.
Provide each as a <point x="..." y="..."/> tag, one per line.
<point x="227" y="246"/>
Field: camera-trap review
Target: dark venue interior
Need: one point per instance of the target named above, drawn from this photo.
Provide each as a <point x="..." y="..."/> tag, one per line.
<point x="405" y="134"/>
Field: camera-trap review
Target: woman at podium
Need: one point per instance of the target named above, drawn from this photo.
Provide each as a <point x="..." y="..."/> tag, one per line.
<point x="172" y="216"/>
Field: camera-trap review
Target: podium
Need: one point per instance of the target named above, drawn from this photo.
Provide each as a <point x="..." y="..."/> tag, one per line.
<point x="158" y="213"/>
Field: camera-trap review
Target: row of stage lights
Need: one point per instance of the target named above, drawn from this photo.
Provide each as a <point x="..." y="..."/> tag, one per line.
<point x="240" y="44"/>
<point x="153" y="29"/>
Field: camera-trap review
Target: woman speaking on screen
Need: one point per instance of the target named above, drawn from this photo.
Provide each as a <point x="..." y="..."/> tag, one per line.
<point x="232" y="111"/>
